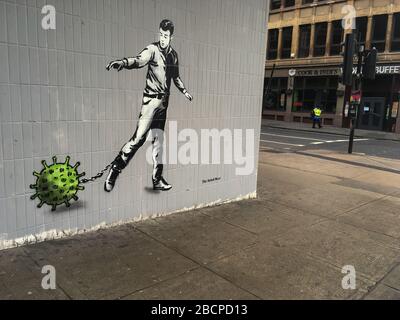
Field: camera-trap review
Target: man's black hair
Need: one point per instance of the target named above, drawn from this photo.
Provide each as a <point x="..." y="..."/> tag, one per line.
<point x="167" y="25"/>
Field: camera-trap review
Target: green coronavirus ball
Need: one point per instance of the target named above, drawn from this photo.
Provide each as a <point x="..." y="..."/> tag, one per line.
<point x="57" y="184"/>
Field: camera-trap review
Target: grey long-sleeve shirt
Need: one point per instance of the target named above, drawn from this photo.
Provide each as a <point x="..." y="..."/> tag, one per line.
<point x="162" y="67"/>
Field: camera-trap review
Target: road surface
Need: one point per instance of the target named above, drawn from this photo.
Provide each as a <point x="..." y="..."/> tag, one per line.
<point x="289" y="140"/>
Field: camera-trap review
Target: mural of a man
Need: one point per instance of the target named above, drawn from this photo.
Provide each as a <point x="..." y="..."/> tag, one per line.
<point x="163" y="66"/>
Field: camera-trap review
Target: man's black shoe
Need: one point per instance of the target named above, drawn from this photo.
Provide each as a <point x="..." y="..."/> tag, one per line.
<point x="111" y="178"/>
<point x="161" y="185"/>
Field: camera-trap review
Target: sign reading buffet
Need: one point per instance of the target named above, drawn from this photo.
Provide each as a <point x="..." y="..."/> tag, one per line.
<point x="382" y="69"/>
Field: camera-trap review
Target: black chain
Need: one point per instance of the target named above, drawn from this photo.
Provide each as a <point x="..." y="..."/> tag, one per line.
<point x="97" y="176"/>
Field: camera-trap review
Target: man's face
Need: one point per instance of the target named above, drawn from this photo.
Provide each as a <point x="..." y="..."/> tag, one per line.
<point x="165" y="38"/>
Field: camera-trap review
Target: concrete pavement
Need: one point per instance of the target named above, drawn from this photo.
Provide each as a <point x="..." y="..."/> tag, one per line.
<point x="315" y="213"/>
<point x="331" y="130"/>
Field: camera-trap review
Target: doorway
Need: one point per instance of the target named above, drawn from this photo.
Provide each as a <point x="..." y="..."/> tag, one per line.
<point x="372" y="113"/>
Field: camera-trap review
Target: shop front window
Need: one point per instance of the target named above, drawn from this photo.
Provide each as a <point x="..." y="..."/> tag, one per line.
<point x="312" y="91"/>
<point x="379" y="28"/>
<point x="276" y="98"/>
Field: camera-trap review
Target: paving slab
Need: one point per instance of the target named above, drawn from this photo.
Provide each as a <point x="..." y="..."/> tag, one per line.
<point x="270" y="189"/>
<point x="273" y="272"/>
<point x="361" y="184"/>
<point x="393" y="278"/>
<point x="329" y="201"/>
<point x="381" y="216"/>
<point x="198" y="284"/>
<point x="198" y="236"/>
<point x="372" y="254"/>
<point x="279" y="181"/>
<point x="382" y="292"/>
<point x="379" y="181"/>
<point x="21" y="278"/>
<point x="358" y="159"/>
<point x="282" y="175"/>
<point x="314" y="164"/>
<point x="110" y="264"/>
<point x="267" y="219"/>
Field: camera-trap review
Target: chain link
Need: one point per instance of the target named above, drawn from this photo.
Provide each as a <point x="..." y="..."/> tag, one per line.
<point x="97" y="176"/>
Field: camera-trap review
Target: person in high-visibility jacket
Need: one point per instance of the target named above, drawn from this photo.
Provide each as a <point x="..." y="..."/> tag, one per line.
<point x="316" y="116"/>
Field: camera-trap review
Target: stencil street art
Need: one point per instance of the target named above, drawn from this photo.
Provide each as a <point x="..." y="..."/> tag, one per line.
<point x="59" y="183"/>
<point x="163" y="66"/>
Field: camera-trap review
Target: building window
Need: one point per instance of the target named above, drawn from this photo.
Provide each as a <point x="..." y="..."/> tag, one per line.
<point x="396" y="33"/>
<point x="276" y="99"/>
<point x="379" y="28"/>
<point x="361" y="30"/>
<point x="336" y="37"/>
<point x="307" y="1"/>
<point x="304" y="41"/>
<point x="286" y="42"/>
<point x="320" y="39"/>
<point x="312" y="91"/>
<point x="275" y="4"/>
<point x="272" y="52"/>
<point x="289" y="3"/>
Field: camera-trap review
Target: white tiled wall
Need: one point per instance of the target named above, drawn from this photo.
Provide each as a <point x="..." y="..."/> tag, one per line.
<point x="56" y="98"/>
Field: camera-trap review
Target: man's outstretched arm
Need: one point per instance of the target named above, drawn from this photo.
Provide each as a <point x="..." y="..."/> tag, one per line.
<point x="141" y="60"/>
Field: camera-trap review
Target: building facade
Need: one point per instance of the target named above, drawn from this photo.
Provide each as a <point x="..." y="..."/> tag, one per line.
<point x="58" y="100"/>
<point x="304" y="44"/>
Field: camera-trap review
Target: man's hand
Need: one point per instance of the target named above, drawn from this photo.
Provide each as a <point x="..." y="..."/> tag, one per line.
<point x="188" y="96"/>
<point x="117" y="64"/>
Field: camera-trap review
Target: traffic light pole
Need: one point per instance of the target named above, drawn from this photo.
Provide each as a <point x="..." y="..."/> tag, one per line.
<point x="358" y="85"/>
<point x="351" y="138"/>
<point x="366" y="69"/>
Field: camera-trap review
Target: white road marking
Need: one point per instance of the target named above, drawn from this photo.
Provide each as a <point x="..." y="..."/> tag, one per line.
<point x="347" y="140"/>
<point x="288" y="144"/>
<point x="266" y="148"/>
<point x="334" y="141"/>
<point x="293" y="137"/>
<point x="315" y="141"/>
<point x="359" y="140"/>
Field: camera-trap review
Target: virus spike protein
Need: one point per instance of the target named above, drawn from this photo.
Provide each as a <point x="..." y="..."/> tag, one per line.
<point x="57" y="184"/>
